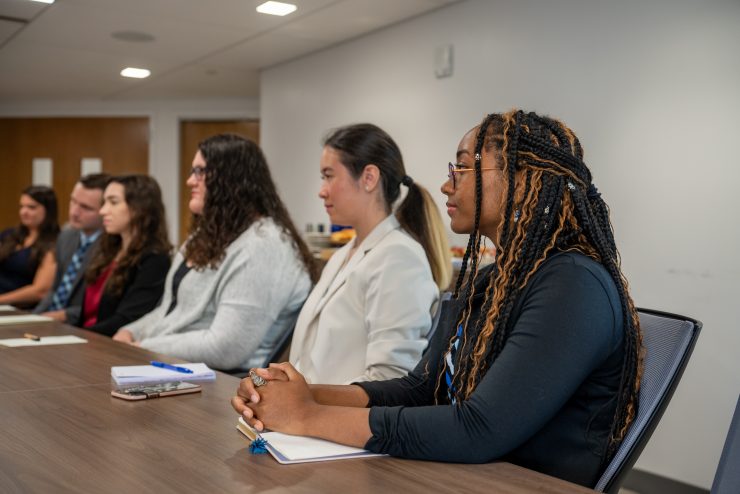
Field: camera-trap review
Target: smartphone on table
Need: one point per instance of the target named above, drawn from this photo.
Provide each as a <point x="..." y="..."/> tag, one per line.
<point x="160" y="390"/>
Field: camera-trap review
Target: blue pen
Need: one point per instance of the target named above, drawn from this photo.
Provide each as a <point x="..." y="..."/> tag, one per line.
<point x="184" y="370"/>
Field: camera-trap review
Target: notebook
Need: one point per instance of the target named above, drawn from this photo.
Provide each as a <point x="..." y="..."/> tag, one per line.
<point x="287" y="449"/>
<point x="131" y="374"/>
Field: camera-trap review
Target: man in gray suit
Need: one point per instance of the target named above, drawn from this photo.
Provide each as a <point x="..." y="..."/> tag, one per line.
<point x="75" y="247"/>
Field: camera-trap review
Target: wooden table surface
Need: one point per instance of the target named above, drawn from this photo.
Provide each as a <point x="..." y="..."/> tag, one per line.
<point x="61" y="431"/>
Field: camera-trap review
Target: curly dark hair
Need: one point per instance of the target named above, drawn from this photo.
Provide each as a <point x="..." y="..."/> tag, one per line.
<point x="48" y="230"/>
<point x="559" y="210"/>
<point x="239" y="191"/>
<point x="148" y="232"/>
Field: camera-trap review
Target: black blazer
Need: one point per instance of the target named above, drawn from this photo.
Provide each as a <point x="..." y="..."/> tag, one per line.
<point x="142" y="291"/>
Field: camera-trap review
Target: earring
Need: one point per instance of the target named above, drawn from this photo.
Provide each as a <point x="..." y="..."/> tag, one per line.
<point x="367" y="188"/>
<point x="517" y="213"/>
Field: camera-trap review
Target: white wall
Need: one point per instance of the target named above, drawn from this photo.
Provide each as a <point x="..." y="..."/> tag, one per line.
<point x="653" y="91"/>
<point x="164" y="121"/>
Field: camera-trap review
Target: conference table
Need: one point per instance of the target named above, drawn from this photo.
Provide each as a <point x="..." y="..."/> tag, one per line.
<point x="61" y="431"/>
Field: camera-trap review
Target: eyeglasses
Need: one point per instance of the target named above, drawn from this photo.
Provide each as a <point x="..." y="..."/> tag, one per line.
<point x="198" y="171"/>
<point x="459" y="168"/>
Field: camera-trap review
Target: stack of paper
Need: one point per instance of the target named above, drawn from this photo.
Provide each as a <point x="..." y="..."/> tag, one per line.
<point x="131" y="374"/>
<point x="43" y="341"/>
<point x="23" y="318"/>
<point x="287" y="449"/>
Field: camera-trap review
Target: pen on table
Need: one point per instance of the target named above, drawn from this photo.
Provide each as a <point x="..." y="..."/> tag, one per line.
<point x="162" y="365"/>
<point x="31" y="336"/>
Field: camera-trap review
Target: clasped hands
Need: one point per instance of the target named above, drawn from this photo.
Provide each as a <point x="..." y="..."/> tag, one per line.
<point x="125" y="336"/>
<point x="284" y="403"/>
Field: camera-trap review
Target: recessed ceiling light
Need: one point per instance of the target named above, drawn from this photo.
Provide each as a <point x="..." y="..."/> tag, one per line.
<point x="276" y="8"/>
<point x="43" y="1"/>
<point x="135" y="73"/>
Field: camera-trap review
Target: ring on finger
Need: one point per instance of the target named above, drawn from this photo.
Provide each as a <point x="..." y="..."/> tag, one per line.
<point x="256" y="379"/>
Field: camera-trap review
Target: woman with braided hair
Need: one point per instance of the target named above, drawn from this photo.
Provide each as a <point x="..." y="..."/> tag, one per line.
<point x="538" y="359"/>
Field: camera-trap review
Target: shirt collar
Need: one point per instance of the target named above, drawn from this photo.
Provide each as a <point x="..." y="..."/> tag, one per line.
<point x="90" y="238"/>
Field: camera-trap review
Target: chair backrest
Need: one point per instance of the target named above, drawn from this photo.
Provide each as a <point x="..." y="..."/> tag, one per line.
<point x="727" y="478"/>
<point x="444" y="300"/>
<point x="279" y="353"/>
<point x="281" y="348"/>
<point x="669" y="340"/>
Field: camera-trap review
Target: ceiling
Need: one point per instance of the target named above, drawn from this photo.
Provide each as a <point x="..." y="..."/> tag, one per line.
<point x="201" y="48"/>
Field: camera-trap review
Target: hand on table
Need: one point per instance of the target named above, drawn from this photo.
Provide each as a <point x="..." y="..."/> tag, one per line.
<point x="57" y="315"/>
<point x="125" y="336"/>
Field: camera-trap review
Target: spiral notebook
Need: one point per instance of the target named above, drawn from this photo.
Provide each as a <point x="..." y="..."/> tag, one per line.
<point x="287" y="449"/>
<point x="131" y="374"/>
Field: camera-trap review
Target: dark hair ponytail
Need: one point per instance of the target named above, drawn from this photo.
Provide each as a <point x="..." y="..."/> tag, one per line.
<point x="364" y="144"/>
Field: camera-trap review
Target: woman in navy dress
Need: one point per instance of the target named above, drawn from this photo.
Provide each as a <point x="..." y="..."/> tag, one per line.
<point x="27" y="264"/>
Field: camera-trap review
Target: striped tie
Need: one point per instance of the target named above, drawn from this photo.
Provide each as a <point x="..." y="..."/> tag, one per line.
<point x="450" y="369"/>
<point x="64" y="290"/>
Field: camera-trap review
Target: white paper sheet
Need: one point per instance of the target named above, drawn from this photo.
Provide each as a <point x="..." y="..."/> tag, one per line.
<point x="22" y="318"/>
<point x="45" y="340"/>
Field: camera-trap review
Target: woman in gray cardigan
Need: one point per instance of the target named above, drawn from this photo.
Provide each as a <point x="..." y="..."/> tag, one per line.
<point x="239" y="281"/>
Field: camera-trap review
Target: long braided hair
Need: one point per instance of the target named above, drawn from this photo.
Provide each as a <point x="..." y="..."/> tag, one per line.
<point x="556" y="208"/>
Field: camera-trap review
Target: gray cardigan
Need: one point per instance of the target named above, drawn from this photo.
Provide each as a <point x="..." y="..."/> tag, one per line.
<point x="231" y="317"/>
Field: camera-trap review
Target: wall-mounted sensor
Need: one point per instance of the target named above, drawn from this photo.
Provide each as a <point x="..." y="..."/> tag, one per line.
<point x="443" y="61"/>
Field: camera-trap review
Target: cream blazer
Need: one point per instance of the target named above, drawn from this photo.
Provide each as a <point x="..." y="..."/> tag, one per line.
<point x="367" y="320"/>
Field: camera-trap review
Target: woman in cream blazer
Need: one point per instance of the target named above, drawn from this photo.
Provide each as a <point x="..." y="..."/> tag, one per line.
<point x="367" y="317"/>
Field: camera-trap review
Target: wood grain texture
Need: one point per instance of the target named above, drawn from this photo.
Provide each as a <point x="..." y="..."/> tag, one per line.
<point x="121" y="143"/>
<point x="62" y="432"/>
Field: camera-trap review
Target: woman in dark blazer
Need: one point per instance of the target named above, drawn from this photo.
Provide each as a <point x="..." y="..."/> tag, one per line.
<point x="125" y="280"/>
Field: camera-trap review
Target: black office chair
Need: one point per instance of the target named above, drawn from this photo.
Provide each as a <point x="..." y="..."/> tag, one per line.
<point x="727" y="478"/>
<point x="444" y="300"/>
<point x="279" y="354"/>
<point x="282" y="348"/>
<point x="669" y="340"/>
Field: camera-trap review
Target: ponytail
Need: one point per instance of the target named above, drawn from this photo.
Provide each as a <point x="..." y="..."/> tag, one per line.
<point x="419" y="216"/>
<point x="362" y="144"/>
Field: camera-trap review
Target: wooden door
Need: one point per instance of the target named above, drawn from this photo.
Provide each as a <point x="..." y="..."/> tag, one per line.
<point x="191" y="133"/>
<point x="121" y="143"/>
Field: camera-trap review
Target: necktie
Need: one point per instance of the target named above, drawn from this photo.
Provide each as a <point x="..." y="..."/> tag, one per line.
<point x="64" y="290"/>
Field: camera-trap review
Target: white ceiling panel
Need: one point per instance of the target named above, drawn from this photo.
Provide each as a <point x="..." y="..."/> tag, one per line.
<point x="201" y="48"/>
<point x="269" y="49"/>
<point x="20" y="9"/>
<point x="8" y="29"/>
<point x="47" y="73"/>
<point x="175" y="41"/>
<point x="352" y="18"/>
<point x="192" y="82"/>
